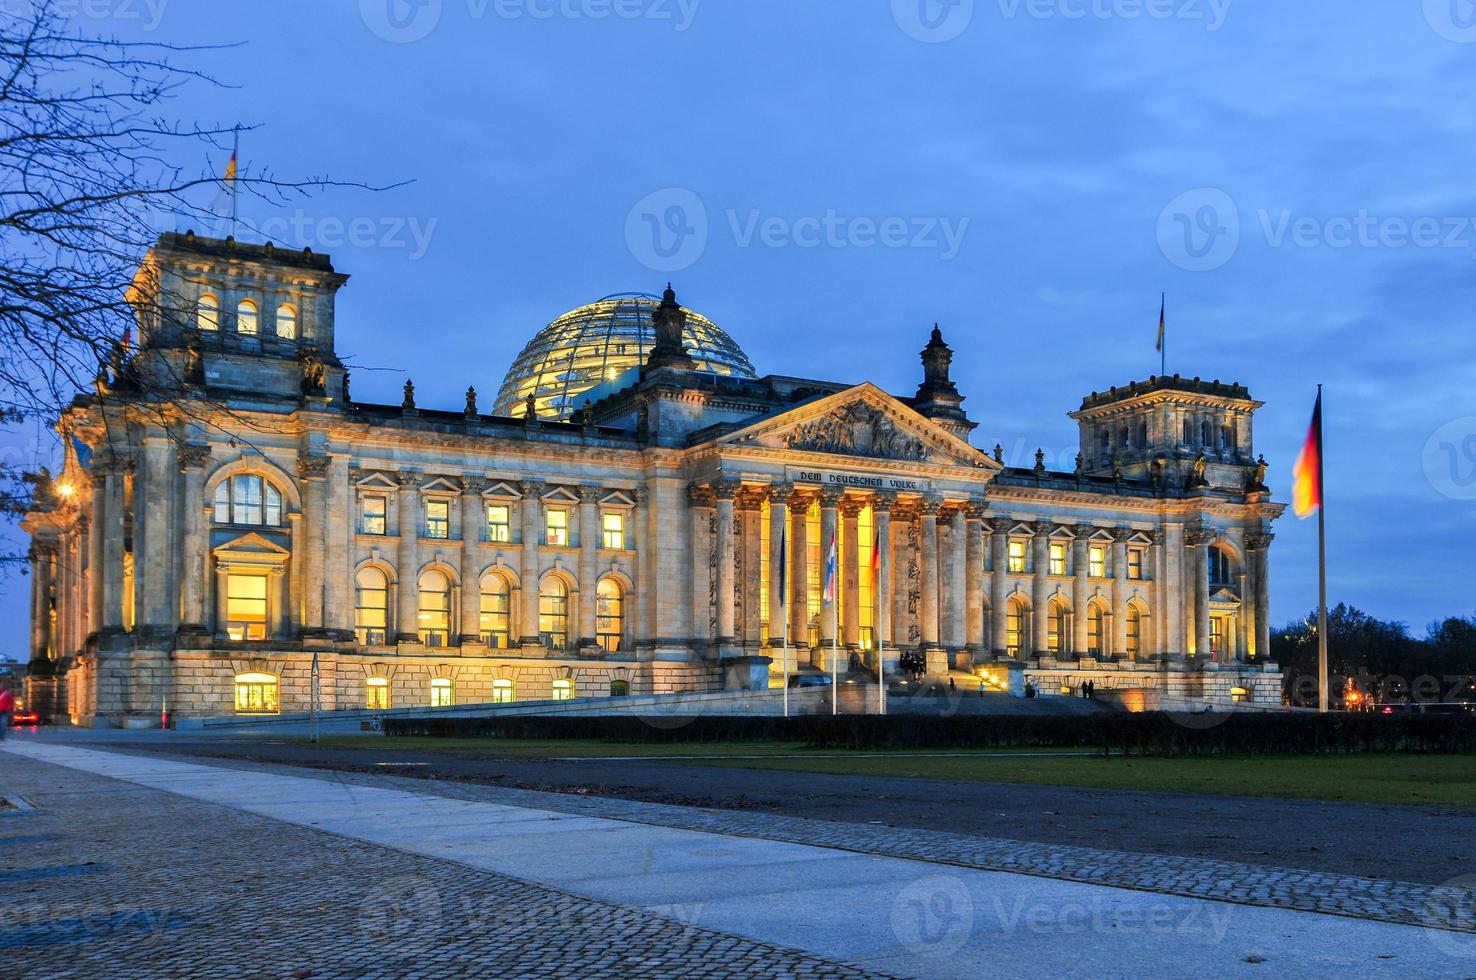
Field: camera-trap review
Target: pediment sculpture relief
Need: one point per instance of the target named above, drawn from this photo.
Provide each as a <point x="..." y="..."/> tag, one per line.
<point x="857" y="429"/>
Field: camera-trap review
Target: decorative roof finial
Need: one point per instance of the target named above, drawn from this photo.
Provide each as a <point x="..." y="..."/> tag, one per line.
<point x="471" y="403"/>
<point x="671" y="324"/>
<point x="409" y="403"/>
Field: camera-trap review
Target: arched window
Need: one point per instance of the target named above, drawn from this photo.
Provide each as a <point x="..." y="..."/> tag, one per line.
<point x="1204" y="433"/>
<point x="619" y="688"/>
<point x="1094" y="630"/>
<point x="248" y="499"/>
<point x="496" y="621"/>
<point x="377" y="694"/>
<point x="371" y="607"/>
<point x="248" y="319"/>
<point x="256" y="694"/>
<point x="443" y="692"/>
<point x="563" y="690"/>
<point x="1056" y="627"/>
<point x="1105" y="443"/>
<point x="1227" y="436"/>
<point x="609" y="615"/>
<point x="207" y="313"/>
<point x="287" y="321"/>
<point x="1014" y="627"/>
<point x="503" y="691"/>
<point x="1134" y="632"/>
<point x="1219" y="567"/>
<point x="1143" y="435"/>
<point x="435" y="609"/>
<point x="553" y="614"/>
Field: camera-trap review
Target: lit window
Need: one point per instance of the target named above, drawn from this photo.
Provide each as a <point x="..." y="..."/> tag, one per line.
<point x="558" y="528"/>
<point x="248" y="321"/>
<point x="614" y="528"/>
<point x="1097" y="562"/>
<point x="246" y="606"/>
<point x="619" y="688"/>
<point x="248" y="500"/>
<point x="563" y="690"/>
<point x="287" y="322"/>
<point x="373" y="515"/>
<point x="435" y="609"/>
<point x="256" y="694"/>
<point x="207" y="313"/>
<point x="1014" y="628"/>
<point x="499" y="523"/>
<point x="371" y="606"/>
<point x="377" y="694"/>
<point x="438" y="519"/>
<point x="1134" y="631"/>
<point x="1055" y="627"/>
<point x="1217" y="636"/>
<point x="443" y="695"/>
<point x="1017" y="556"/>
<point x="1058" y="558"/>
<point x="496" y="622"/>
<point x="609" y="615"/>
<point x="1135" y="564"/>
<point x="1240" y="694"/>
<point x="503" y="692"/>
<point x="1094" y="631"/>
<point x="553" y="614"/>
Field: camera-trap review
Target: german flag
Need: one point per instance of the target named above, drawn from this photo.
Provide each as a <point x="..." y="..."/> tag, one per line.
<point x="1307" y="474"/>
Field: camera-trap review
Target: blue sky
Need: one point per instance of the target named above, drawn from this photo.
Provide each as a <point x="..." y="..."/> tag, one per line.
<point x="1029" y="173"/>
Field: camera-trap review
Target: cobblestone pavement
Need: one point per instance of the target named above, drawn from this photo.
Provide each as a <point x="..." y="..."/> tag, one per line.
<point x="105" y="878"/>
<point x="1435" y="906"/>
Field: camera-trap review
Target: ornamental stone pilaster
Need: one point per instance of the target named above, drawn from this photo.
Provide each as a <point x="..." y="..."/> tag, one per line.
<point x="975" y="639"/>
<point x="1258" y="544"/>
<point x="589" y="555"/>
<point x="407" y="595"/>
<point x="1040" y="592"/>
<point x="724" y="493"/>
<point x="530" y="516"/>
<point x="850" y="513"/>
<point x="779" y="497"/>
<point x="884" y="588"/>
<point x="829" y="529"/>
<point x="313" y="471"/>
<point x="999" y="560"/>
<point x="1080" y="586"/>
<point x="1198" y="541"/>
<point x="473" y="524"/>
<point x="799" y="581"/>
<point x="1120" y="589"/>
<point x="928" y="540"/>
<point x="195" y="550"/>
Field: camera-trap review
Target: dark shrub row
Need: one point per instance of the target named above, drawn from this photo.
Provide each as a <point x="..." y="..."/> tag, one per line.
<point x="1152" y="733"/>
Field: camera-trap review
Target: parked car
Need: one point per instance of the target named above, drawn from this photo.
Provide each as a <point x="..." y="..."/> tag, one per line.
<point x="22" y="719"/>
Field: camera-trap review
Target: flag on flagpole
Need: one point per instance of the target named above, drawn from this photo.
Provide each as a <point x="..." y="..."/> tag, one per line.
<point x="1307" y="473"/>
<point x="875" y="555"/>
<point x="230" y="172"/>
<point x="1162" y="308"/>
<point x="830" y="573"/>
<point x="783" y="570"/>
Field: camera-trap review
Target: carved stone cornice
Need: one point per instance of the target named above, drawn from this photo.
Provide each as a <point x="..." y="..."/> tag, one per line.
<point x="930" y="505"/>
<point x="883" y="500"/>
<point x="408" y="481"/>
<point x="998" y="525"/>
<point x="192" y="457"/>
<point x="590" y="495"/>
<point x="799" y="501"/>
<point x="726" y="489"/>
<point x="313" y="467"/>
<point x="532" y="489"/>
<point x="975" y="510"/>
<point x="1258" y="540"/>
<point x="851" y="507"/>
<point x="473" y="486"/>
<point x="700" y="496"/>
<point x="1198" y="537"/>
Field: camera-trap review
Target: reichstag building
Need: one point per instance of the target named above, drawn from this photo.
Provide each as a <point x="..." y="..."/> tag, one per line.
<point x="228" y="516"/>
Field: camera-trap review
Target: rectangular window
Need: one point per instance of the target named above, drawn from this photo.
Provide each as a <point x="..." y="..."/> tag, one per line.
<point x="1217" y="636"/>
<point x="247" y="504"/>
<point x="1017" y="556"/>
<point x="558" y="528"/>
<point x="1135" y="564"/>
<point x="438" y="519"/>
<point x="553" y="620"/>
<point x="246" y="607"/>
<point x="503" y="692"/>
<point x="1014" y="630"/>
<point x="1058" y="559"/>
<point x="1097" y="562"/>
<point x="442" y="693"/>
<point x="496" y="619"/>
<point x="372" y="519"/>
<point x="256" y="694"/>
<point x="499" y="523"/>
<point x="377" y="694"/>
<point x="614" y="531"/>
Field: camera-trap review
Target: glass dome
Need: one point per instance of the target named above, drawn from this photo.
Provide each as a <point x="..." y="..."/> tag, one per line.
<point x="598" y="343"/>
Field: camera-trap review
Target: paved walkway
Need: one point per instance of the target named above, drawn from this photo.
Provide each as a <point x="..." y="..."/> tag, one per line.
<point x="880" y="914"/>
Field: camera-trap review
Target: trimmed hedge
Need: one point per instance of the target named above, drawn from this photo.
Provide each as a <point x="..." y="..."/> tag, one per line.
<point x="1149" y="733"/>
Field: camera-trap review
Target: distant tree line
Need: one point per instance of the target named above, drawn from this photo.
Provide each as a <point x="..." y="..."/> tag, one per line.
<point x="1378" y="660"/>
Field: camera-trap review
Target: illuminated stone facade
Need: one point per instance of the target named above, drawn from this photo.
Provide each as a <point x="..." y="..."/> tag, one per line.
<point x="227" y="514"/>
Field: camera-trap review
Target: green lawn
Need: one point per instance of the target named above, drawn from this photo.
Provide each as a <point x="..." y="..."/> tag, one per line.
<point x="1399" y="779"/>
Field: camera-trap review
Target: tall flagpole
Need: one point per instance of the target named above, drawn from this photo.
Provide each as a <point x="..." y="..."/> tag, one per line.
<point x="1163" y="342"/>
<point x="1322" y="686"/>
<point x="235" y="177"/>
<point x="783" y="571"/>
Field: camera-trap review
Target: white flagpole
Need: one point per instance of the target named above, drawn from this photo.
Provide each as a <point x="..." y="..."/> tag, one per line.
<point x="235" y="177"/>
<point x="835" y="674"/>
<point x="784" y="652"/>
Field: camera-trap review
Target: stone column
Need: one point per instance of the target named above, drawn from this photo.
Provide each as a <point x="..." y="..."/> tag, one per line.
<point x="473" y="521"/>
<point x="40" y="603"/>
<point x="779" y="548"/>
<point x="999" y="560"/>
<point x="1171" y="592"/>
<point x="906" y="577"/>
<point x="700" y="506"/>
<point x="977" y="642"/>
<point x="530" y="512"/>
<point x="222" y="598"/>
<point x="750" y="584"/>
<point x="1040" y="591"/>
<point x="1080" y="567"/>
<point x="589" y="557"/>
<point x="338" y="561"/>
<point x="928" y="561"/>
<point x="799" y="558"/>
<point x="850" y="510"/>
<point x="195" y="554"/>
<point x="959" y="596"/>
<point x="1259" y="547"/>
<point x="724" y="492"/>
<point x="309" y="561"/>
<point x="829" y="524"/>
<point x="115" y="480"/>
<point x="882" y="592"/>
<point x="95" y="561"/>
<point x="152" y="560"/>
<point x="1120" y="587"/>
<point x="1199" y="540"/>
<point x="407" y="604"/>
<point x="641" y="520"/>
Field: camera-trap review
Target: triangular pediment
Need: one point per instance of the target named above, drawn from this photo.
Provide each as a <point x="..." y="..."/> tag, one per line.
<point x="441" y="485"/>
<point x="503" y="490"/>
<point x="377" y="481"/>
<point x="862" y="421"/>
<point x="252" y="543"/>
<point x="1225" y="597"/>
